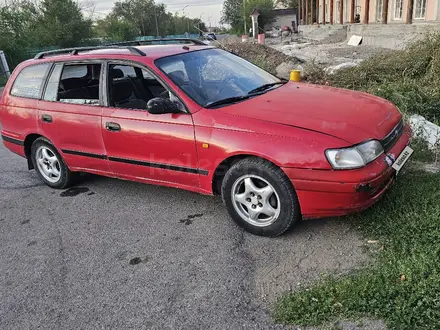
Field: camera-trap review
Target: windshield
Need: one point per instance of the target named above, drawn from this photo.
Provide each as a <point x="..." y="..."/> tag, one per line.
<point x="212" y="75"/>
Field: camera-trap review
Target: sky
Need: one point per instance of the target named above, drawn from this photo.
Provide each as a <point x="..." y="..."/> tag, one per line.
<point x="209" y="9"/>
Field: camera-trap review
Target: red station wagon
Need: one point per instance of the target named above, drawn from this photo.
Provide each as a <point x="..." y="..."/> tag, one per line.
<point x="199" y="118"/>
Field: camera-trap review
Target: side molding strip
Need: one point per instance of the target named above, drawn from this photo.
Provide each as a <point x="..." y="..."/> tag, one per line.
<point x="137" y="162"/>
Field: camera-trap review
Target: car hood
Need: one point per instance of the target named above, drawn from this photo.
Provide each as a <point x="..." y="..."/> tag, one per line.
<point x="348" y="115"/>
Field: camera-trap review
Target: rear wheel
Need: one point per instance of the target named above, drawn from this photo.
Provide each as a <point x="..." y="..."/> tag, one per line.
<point x="260" y="198"/>
<point x="49" y="164"/>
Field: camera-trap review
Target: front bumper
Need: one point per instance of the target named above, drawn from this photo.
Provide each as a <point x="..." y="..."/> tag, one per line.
<point x="324" y="193"/>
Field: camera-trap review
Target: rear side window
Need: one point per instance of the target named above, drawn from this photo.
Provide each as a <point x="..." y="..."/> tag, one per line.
<point x="29" y="81"/>
<point x="74" y="83"/>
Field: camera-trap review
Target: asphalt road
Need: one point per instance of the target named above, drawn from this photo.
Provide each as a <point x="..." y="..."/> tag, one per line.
<point x="123" y="255"/>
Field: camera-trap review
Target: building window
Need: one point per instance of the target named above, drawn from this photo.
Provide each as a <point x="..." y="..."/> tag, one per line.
<point x="420" y="9"/>
<point x="379" y="10"/>
<point x="398" y="7"/>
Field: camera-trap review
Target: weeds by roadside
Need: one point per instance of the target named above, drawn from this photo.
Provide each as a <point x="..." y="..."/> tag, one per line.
<point x="422" y="153"/>
<point x="402" y="286"/>
<point x="263" y="56"/>
<point x="409" y="78"/>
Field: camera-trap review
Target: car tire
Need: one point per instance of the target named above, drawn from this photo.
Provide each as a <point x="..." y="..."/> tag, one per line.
<point x="49" y="164"/>
<point x="260" y="198"/>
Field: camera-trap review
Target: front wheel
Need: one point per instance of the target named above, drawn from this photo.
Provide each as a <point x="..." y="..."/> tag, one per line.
<point x="260" y="198"/>
<point x="49" y="165"/>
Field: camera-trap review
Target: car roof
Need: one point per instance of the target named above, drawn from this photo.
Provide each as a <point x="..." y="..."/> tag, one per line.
<point x="152" y="51"/>
<point x="141" y="52"/>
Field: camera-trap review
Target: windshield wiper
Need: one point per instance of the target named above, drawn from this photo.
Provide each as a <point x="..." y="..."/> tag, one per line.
<point x="265" y="86"/>
<point x="227" y="100"/>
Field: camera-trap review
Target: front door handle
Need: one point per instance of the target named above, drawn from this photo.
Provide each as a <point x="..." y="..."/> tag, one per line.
<point x="46" y="118"/>
<point x="112" y="127"/>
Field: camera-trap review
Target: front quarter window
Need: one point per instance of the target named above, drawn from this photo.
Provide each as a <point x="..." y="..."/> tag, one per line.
<point x="210" y="75"/>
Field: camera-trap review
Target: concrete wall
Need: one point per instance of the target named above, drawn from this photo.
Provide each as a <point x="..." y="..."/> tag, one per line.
<point x="324" y="33"/>
<point x="393" y="36"/>
<point x="281" y="21"/>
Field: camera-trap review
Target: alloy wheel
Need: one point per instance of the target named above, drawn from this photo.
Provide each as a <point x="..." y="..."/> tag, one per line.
<point x="48" y="164"/>
<point x="255" y="200"/>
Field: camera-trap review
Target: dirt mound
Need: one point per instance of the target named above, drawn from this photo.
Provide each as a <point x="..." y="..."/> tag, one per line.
<point x="265" y="57"/>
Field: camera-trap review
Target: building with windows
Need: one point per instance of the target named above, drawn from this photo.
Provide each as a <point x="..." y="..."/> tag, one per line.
<point x="368" y="11"/>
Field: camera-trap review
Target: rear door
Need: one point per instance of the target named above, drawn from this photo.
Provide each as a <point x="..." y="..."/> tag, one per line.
<point x="156" y="147"/>
<point x="70" y="114"/>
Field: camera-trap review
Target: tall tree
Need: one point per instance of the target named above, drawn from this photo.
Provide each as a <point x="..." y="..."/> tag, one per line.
<point x="233" y="14"/>
<point x="151" y="19"/>
<point x="140" y="13"/>
<point x="115" y="29"/>
<point x="17" y="21"/>
<point x="236" y="11"/>
<point x="61" y="23"/>
<point x="289" y="3"/>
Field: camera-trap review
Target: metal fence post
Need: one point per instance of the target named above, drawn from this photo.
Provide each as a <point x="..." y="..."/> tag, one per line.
<point x="4" y="65"/>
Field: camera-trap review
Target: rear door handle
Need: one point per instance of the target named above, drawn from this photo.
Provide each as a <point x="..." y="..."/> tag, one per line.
<point x="112" y="127"/>
<point x="46" y="118"/>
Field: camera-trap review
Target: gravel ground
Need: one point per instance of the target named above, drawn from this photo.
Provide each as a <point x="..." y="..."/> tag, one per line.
<point x="327" y="54"/>
<point x="123" y="255"/>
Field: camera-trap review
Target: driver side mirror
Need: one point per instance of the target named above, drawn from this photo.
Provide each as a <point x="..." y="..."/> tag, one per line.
<point x="158" y="106"/>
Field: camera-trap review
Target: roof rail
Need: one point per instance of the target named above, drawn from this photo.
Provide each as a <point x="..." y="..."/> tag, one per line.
<point x="160" y="40"/>
<point x="125" y="43"/>
<point x="74" y="51"/>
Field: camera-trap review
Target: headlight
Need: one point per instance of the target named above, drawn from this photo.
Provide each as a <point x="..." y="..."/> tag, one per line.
<point x="354" y="157"/>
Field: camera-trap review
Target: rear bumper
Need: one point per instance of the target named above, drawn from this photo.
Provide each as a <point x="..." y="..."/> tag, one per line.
<point x="13" y="143"/>
<point x="324" y="193"/>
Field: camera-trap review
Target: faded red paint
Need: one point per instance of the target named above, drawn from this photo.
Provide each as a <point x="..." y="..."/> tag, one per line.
<point x="291" y="126"/>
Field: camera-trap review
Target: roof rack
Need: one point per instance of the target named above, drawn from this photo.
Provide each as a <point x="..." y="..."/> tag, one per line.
<point x="160" y="40"/>
<point x="74" y="51"/>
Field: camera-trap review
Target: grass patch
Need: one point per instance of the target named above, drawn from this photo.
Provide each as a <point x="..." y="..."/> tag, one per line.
<point x="402" y="287"/>
<point x="422" y="153"/>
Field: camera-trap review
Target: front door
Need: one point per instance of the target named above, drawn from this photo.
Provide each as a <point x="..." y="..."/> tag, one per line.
<point x="157" y="147"/>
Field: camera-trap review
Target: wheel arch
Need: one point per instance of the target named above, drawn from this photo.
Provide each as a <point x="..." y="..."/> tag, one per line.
<point x="28" y="141"/>
<point x="226" y="164"/>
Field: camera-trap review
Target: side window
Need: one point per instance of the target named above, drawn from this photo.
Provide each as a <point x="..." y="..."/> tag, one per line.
<point x="29" y="81"/>
<point x="79" y="84"/>
<point x="131" y="87"/>
<point x="53" y="83"/>
<point x="127" y="70"/>
<point x="147" y="75"/>
<point x="75" y="71"/>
